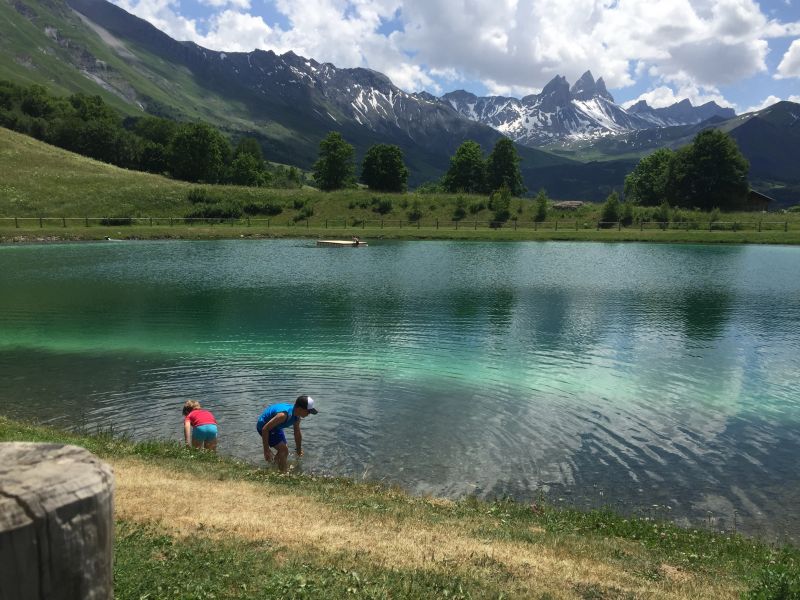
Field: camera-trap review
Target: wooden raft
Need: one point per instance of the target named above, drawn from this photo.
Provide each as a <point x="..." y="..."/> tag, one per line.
<point x="340" y="244"/>
<point x="56" y="523"/>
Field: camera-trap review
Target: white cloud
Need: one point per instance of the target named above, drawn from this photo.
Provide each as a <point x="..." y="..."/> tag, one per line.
<point x="666" y="96"/>
<point x="794" y="99"/>
<point x="512" y="46"/>
<point x="790" y="64"/>
<point x="768" y="101"/>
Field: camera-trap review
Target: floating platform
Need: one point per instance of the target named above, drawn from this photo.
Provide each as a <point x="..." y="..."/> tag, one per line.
<point x="341" y="244"/>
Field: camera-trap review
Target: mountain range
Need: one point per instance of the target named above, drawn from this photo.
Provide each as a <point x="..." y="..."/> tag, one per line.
<point x="585" y="111"/>
<point x="575" y="141"/>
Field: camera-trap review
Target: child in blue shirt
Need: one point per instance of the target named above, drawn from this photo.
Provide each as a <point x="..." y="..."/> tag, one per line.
<point x="275" y="419"/>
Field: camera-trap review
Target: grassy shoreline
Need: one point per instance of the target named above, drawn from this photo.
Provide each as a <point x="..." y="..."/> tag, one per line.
<point x="242" y="231"/>
<point x="196" y="525"/>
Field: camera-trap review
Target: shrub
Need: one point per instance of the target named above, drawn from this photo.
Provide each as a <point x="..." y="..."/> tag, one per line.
<point x="221" y="210"/>
<point x="305" y="213"/>
<point x="298" y="203"/>
<point x="269" y="208"/>
<point x="477" y="207"/>
<point x="383" y="206"/>
<point x="115" y="221"/>
<point x="415" y="212"/>
<point x="198" y="196"/>
<point x="779" y="580"/>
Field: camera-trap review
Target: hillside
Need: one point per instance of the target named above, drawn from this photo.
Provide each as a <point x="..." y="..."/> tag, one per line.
<point x="288" y="102"/>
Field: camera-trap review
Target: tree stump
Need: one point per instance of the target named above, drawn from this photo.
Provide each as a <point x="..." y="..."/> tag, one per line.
<point x="56" y="523"/>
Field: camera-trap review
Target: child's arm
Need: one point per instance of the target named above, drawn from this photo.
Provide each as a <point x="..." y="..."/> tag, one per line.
<point x="298" y="439"/>
<point x="187" y="432"/>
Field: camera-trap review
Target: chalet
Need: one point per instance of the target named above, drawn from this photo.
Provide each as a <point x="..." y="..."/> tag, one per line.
<point x="758" y="201"/>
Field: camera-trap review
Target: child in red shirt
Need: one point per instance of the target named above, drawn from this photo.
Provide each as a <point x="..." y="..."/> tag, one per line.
<point x="199" y="426"/>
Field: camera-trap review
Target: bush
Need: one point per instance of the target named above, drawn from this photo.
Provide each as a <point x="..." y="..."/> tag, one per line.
<point x="611" y="210"/>
<point x="477" y="207"/>
<point x="305" y="213"/>
<point x="415" y="212"/>
<point x="382" y="206"/>
<point x="198" y="196"/>
<point x="221" y="210"/>
<point x="116" y="221"/>
<point x="269" y="208"/>
<point x="298" y="203"/>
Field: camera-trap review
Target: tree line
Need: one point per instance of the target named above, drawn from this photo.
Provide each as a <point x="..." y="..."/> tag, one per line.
<point x="710" y="173"/>
<point x="190" y="151"/>
<point x="383" y="168"/>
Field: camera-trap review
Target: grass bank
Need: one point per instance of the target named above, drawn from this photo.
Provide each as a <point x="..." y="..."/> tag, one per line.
<point x="195" y="525"/>
<point x="206" y="231"/>
<point x="72" y="195"/>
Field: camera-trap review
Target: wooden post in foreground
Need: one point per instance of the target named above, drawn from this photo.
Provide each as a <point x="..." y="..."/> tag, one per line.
<point x="56" y="523"/>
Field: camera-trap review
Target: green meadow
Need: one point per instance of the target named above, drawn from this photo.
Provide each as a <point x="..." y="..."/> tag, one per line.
<point x="49" y="193"/>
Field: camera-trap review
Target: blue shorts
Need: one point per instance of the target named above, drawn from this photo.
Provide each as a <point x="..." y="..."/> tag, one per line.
<point x="276" y="436"/>
<point x="204" y="433"/>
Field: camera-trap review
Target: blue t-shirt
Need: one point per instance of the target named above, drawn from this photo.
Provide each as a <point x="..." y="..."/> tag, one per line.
<point x="273" y="410"/>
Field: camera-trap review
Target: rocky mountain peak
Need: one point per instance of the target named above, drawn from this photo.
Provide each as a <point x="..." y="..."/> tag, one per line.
<point x="555" y="94"/>
<point x="584" y="88"/>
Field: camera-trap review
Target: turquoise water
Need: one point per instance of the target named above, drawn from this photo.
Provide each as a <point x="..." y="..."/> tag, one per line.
<point x="654" y="378"/>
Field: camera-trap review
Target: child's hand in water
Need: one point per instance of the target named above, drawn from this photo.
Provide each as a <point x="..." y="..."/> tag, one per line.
<point x="268" y="456"/>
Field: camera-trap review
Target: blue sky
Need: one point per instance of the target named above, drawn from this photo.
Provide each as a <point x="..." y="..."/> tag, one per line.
<point x="740" y="53"/>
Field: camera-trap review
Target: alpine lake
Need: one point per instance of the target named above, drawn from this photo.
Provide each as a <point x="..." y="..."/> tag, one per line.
<point x="653" y="379"/>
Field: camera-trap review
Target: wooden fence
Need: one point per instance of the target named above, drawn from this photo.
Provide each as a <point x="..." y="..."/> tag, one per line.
<point x="355" y="223"/>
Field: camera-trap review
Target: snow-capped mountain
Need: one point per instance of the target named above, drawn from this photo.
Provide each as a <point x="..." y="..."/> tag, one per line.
<point x="585" y="111"/>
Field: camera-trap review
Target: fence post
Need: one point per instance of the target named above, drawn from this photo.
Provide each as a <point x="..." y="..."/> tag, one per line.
<point x="598" y="226"/>
<point x="515" y="226"/>
<point x="40" y="223"/>
<point x="556" y="224"/>
<point x="16" y="223"/>
<point x="535" y="225"/>
<point x="63" y="221"/>
<point x="476" y="224"/>
<point x="641" y="225"/>
<point x="306" y="223"/>
<point x="710" y="224"/>
<point x="437" y="224"/>
<point x="576" y="224"/>
<point x="759" y="225"/>
<point x="619" y="225"/>
<point x="267" y="223"/>
<point x="456" y="225"/>
<point x="86" y="221"/>
<point x="786" y="226"/>
<point x="248" y="221"/>
<point x="381" y="223"/>
<point x="419" y="222"/>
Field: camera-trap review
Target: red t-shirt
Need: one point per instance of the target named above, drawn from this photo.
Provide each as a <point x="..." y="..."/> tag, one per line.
<point x="200" y="417"/>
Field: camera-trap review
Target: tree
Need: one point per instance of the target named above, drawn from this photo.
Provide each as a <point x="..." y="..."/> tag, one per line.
<point x="540" y="209"/>
<point x="647" y="184"/>
<point x="467" y="172"/>
<point x="335" y="168"/>
<point x="249" y="146"/>
<point x="709" y="173"/>
<point x="246" y="169"/>
<point x="610" y="212"/>
<point x="198" y="152"/>
<point x="383" y="169"/>
<point x="502" y="168"/>
<point x="500" y="202"/>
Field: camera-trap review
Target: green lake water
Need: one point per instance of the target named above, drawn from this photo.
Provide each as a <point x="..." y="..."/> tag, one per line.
<point x="657" y="379"/>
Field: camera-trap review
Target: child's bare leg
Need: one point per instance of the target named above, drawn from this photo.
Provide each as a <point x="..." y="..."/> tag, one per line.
<point x="283" y="457"/>
<point x="197" y="444"/>
<point x="211" y="445"/>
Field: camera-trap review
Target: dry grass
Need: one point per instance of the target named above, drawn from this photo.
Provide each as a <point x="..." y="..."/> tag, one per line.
<point x="184" y="504"/>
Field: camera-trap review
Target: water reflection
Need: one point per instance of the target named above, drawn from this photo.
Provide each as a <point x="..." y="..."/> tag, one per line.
<point x="631" y="374"/>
